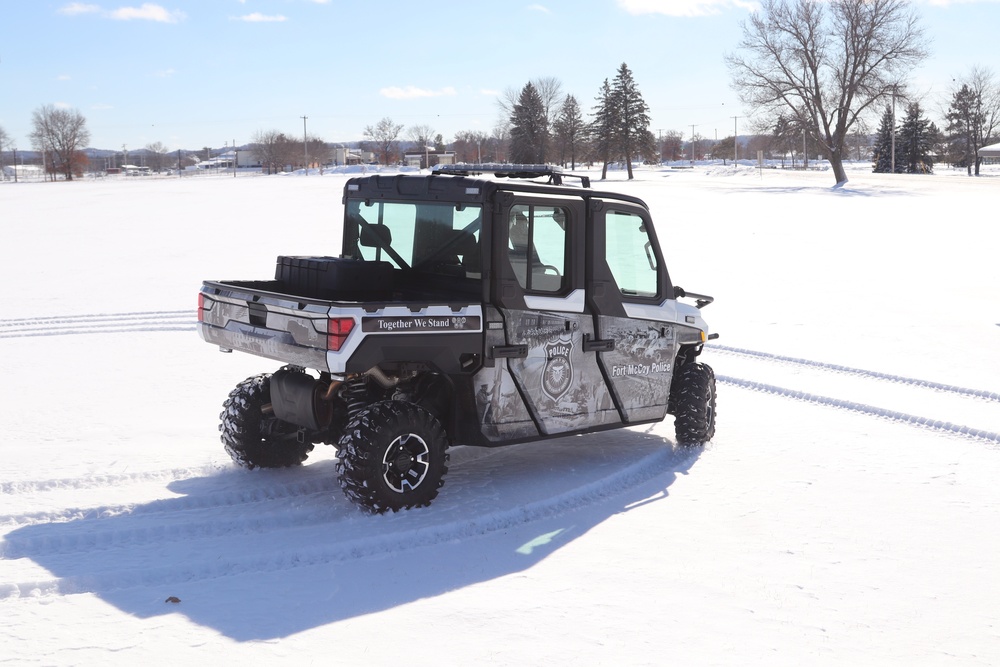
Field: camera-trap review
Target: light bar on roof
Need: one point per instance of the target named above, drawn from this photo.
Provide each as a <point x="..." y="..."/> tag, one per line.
<point x="554" y="172"/>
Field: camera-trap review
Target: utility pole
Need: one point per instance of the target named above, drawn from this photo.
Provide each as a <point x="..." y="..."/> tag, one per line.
<point x="305" y="144"/>
<point x="692" y="145"/>
<point x="236" y="158"/>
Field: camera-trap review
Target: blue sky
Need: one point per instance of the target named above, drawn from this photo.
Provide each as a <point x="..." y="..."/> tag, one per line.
<point x="194" y="73"/>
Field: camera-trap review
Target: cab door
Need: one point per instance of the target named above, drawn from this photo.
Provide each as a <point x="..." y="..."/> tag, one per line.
<point x="544" y="368"/>
<point x="631" y="299"/>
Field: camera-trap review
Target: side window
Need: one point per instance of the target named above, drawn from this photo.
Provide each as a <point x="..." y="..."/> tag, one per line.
<point x="537" y="246"/>
<point x="630" y="254"/>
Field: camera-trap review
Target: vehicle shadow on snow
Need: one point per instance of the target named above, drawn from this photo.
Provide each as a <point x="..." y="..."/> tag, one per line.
<point x="266" y="554"/>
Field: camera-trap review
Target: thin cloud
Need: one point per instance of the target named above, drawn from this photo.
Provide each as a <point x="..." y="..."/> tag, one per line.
<point x="540" y="8"/>
<point x="75" y="8"/>
<point x="101" y="107"/>
<point x="257" y="17"/>
<point x="686" y="8"/>
<point x="412" y="92"/>
<point x="165" y="73"/>
<point x="63" y="77"/>
<point x="147" y="12"/>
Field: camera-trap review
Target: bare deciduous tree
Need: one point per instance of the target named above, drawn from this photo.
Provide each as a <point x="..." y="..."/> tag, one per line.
<point x="469" y="145"/>
<point x="60" y="135"/>
<point x="500" y="141"/>
<point x="672" y="145"/>
<point x="157" y="157"/>
<point x="384" y="137"/>
<point x="421" y="135"/>
<point x="549" y="89"/>
<point x="4" y="142"/>
<point x="274" y="149"/>
<point x="826" y="63"/>
<point x="318" y="151"/>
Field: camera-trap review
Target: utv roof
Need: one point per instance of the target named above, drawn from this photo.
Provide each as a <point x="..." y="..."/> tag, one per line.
<point x="463" y="183"/>
<point x="554" y="172"/>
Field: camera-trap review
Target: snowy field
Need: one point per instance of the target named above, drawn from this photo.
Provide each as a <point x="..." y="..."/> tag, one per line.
<point x="846" y="513"/>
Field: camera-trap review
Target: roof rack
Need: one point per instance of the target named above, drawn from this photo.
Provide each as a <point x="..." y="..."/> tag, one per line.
<point x="554" y="172"/>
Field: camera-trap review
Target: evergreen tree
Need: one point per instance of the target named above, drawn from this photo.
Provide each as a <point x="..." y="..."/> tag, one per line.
<point x="569" y="129"/>
<point x="632" y="116"/>
<point x="882" y="151"/>
<point x="915" y="142"/>
<point x="602" y="129"/>
<point x="529" y="128"/>
<point x="965" y="122"/>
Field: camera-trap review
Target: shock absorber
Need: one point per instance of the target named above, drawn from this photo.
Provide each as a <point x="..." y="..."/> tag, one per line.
<point x="355" y="395"/>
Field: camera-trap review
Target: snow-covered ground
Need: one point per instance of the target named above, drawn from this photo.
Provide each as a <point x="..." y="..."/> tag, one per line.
<point x="846" y="513"/>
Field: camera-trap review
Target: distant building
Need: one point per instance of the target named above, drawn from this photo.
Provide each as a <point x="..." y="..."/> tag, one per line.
<point x="424" y="159"/>
<point x="26" y="171"/>
<point x="351" y="156"/>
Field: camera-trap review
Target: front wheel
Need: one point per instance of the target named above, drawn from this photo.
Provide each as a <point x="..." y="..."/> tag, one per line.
<point x="694" y="404"/>
<point x="392" y="456"/>
<point x="255" y="438"/>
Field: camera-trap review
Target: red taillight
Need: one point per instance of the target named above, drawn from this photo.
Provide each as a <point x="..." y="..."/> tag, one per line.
<point x="201" y="307"/>
<point x="339" y="329"/>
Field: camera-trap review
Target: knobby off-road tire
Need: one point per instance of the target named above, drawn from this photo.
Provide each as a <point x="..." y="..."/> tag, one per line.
<point x="694" y="405"/>
<point x="392" y="456"/>
<point x="254" y="439"/>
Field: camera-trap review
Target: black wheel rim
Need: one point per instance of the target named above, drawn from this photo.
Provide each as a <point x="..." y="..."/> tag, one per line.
<point x="405" y="463"/>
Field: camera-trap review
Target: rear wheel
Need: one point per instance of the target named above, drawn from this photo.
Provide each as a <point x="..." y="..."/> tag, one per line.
<point x="392" y="456"/>
<point x="693" y="400"/>
<point x="253" y="438"/>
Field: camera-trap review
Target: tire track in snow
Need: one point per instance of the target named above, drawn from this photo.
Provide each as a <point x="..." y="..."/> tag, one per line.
<point x="240" y="497"/>
<point x="389" y="537"/>
<point x="100" y="323"/>
<point x="848" y="370"/>
<point x="853" y="406"/>
<point x="104" y="481"/>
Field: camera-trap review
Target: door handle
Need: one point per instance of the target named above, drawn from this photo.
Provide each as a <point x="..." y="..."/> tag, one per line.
<point x="509" y="351"/>
<point x="599" y="345"/>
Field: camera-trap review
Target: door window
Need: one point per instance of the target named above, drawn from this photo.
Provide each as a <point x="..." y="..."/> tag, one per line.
<point x="537" y="247"/>
<point x="630" y="256"/>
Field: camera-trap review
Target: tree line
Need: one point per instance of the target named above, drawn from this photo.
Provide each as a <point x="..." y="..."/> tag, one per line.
<point x="822" y="69"/>
<point x="812" y="75"/>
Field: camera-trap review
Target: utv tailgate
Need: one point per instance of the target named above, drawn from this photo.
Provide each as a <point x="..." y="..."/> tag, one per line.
<point x="240" y="316"/>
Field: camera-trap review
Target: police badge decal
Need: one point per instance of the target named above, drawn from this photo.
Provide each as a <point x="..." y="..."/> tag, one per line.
<point x="557" y="376"/>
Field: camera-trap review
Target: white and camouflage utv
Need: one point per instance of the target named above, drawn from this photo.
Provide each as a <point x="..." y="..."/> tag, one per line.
<point x="470" y="309"/>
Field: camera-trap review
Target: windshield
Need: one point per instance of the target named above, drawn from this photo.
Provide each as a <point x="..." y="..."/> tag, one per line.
<point x="423" y="236"/>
